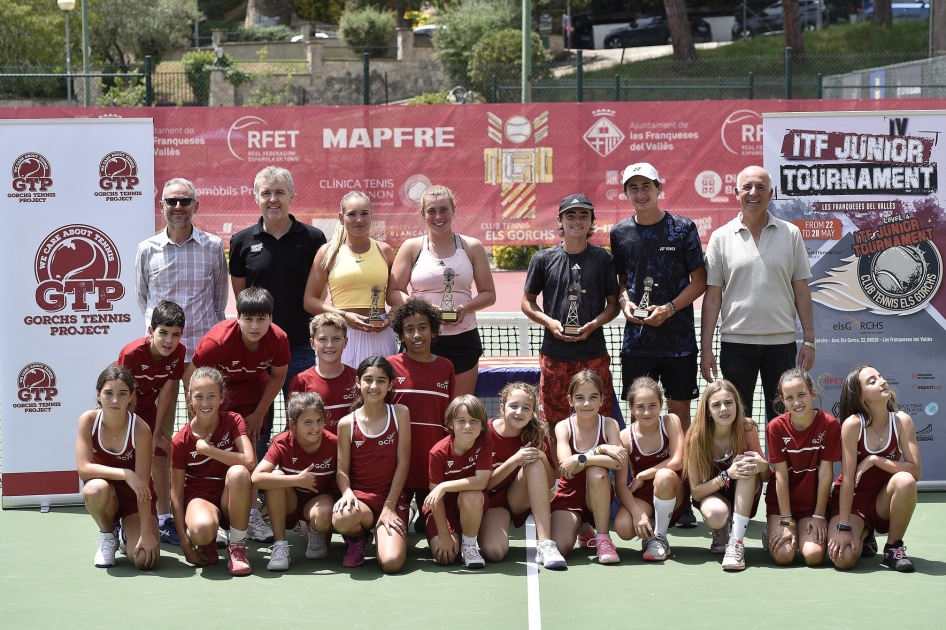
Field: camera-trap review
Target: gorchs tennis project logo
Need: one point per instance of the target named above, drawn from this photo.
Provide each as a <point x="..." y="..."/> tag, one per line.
<point x="36" y="388"/>
<point x="77" y="266"/>
<point x="32" y="178"/>
<point x="518" y="168"/>
<point x="118" y="177"/>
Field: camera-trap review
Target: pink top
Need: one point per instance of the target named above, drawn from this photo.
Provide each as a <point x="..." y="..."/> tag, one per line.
<point x="427" y="282"/>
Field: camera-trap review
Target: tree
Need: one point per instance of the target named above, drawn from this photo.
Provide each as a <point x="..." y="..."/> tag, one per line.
<point x="680" y="35"/>
<point x="326" y="11"/>
<point x="883" y="13"/>
<point x="281" y="9"/>
<point x="938" y="16"/>
<point x="33" y="32"/>
<point x="125" y="31"/>
<point x="500" y="51"/>
<point x="461" y="28"/>
<point x="791" y="17"/>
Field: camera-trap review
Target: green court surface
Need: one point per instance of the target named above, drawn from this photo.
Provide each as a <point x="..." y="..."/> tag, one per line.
<point x="47" y="581"/>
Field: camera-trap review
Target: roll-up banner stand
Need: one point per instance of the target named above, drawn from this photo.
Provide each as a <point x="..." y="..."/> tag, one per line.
<point x="78" y="199"/>
<point x="863" y="187"/>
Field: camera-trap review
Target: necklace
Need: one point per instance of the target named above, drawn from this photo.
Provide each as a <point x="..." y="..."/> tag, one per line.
<point x="879" y="437"/>
<point x="359" y="256"/>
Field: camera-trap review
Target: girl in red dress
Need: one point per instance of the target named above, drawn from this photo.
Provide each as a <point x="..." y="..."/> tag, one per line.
<point x="113" y="457"/>
<point x="298" y="475"/>
<point x="880" y="465"/>
<point x="374" y="454"/>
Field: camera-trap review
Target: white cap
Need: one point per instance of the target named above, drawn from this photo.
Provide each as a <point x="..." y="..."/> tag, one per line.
<point x="641" y="168"/>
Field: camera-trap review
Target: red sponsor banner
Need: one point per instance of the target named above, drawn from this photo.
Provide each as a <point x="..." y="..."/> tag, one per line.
<point x="509" y="165"/>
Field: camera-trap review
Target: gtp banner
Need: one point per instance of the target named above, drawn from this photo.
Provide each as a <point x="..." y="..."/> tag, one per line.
<point x="509" y="165"/>
<point x="864" y="189"/>
<point x="77" y="200"/>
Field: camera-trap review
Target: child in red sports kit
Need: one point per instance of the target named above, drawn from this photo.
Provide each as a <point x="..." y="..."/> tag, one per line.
<point x="803" y="444"/>
<point x="460" y="467"/>
<point x="331" y="379"/>
<point x="253" y="356"/>
<point x="157" y="363"/>
<point x="654" y="444"/>
<point x="113" y="457"/>
<point x="521" y="479"/>
<point x="211" y="460"/>
<point x="424" y="384"/>
<point x="374" y="453"/>
<point x="880" y="465"/>
<point x="588" y="444"/>
<point x="298" y="475"/>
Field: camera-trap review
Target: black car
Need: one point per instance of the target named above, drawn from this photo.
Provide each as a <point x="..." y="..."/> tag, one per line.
<point x="653" y="31"/>
<point x="771" y="19"/>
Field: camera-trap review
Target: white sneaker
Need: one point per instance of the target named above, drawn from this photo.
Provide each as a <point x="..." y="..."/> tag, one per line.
<point x="318" y="545"/>
<point x="472" y="559"/>
<point x="656" y="549"/>
<point x="258" y="530"/>
<point x="735" y="558"/>
<point x="547" y="554"/>
<point x="279" y="560"/>
<point x="720" y="538"/>
<point x="105" y="555"/>
<point x="119" y="534"/>
<point x="223" y="538"/>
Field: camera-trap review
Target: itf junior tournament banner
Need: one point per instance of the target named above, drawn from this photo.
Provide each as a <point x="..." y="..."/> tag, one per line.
<point x="864" y="189"/>
<point x="508" y="164"/>
<point x="78" y="197"/>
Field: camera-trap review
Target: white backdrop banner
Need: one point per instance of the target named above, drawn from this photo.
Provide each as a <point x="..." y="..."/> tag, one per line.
<point x="864" y="189"/>
<point x="78" y="199"/>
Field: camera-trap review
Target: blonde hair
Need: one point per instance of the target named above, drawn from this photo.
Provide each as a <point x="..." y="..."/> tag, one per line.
<point x="473" y="405"/>
<point x="437" y="191"/>
<point x="534" y="433"/>
<point x="340" y="234"/>
<point x="327" y="319"/>
<point x="698" y="444"/>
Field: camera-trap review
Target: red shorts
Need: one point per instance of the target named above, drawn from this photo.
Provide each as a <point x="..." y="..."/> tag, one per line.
<point x="553" y="386"/>
<point x="571" y="498"/>
<point x="646" y="494"/>
<point x="375" y="503"/>
<point x="497" y="499"/>
<point x="128" y="500"/>
<point x="452" y="508"/>
<point x="303" y="499"/>
<point x="865" y="506"/>
<point x="730" y="495"/>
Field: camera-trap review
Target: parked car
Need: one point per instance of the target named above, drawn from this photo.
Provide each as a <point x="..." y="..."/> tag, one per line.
<point x="653" y="30"/>
<point x="426" y="29"/>
<point x="771" y="19"/>
<point x="902" y="11"/>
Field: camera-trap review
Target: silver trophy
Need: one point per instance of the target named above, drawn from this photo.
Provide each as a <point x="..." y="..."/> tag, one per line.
<point x="448" y="311"/>
<point x="374" y="312"/>
<point x="641" y="311"/>
<point x="572" y="325"/>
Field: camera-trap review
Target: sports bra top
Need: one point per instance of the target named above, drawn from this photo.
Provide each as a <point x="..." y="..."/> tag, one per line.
<point x="353" y="275"/>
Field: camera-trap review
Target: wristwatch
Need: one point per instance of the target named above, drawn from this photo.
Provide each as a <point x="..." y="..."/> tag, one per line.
<point x="787" y="522"/>
<point x="844" y="527"/>
<point x="810" y="344"/>
<point x="582" y="458"/>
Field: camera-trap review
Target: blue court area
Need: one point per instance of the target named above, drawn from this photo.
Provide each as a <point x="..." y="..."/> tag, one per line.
<point x="48" y="581"/>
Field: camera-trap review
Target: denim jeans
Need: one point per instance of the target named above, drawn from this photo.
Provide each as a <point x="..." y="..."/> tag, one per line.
<point x="741" y="363"/>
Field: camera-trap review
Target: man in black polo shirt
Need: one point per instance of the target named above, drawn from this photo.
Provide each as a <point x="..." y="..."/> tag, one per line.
<point x="276" y="254"/>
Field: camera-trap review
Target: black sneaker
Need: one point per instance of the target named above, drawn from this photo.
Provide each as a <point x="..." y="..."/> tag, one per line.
<point x="896" y="558"/>
<point x="687" y="520"/>
<point x="869" y="548"/>
<point x="420" y="523"/>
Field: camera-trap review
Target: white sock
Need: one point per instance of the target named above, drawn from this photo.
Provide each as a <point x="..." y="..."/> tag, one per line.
<point x="663" y="510"/>
<point x="237" y="535"/>
<point x="468" y="540"/>
<point x="739" y="525"/>
<point x="162" y="518"/>
<point x="107" y="535"/>
<point x="281" y="543"/>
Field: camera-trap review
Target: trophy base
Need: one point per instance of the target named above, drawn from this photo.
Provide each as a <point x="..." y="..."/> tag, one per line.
<point x="449" y="316"/>
<point x="571" y="331"/>
<point x="376" y="323"/>
<point x="641" y="313"/>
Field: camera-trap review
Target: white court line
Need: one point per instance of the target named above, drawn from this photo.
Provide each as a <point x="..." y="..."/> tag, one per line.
<point x="532" y="577"/>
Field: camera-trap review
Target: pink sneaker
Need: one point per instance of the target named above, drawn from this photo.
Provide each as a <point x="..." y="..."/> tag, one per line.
<point x="237" y="562"/>
<point x="355" y="557"/>
<point x="586" y="537"/>
<point x="607" y="554"/>
<point x="208" y="553"/>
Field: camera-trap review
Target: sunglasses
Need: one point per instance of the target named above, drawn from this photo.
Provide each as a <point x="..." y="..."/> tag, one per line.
<point x="183" y="202"/>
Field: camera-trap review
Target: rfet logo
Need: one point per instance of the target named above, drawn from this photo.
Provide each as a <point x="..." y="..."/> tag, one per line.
<point x="81" y="263"/>
<point x="251" y="139"/>
<point x="36" y="382"/>
<point x="118" y="177"/>
<point x="741" y="133"/>
<point x="32" y="177"/>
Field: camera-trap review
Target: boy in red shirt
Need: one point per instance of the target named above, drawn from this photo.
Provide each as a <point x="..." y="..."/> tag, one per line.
<point x="329" y="378"/>
<point x="424" y="384"/>
<point x="253" y="356"/>
<point x="157" y="362"/>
